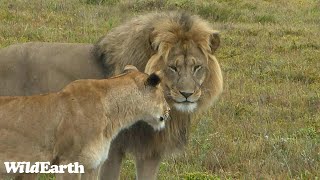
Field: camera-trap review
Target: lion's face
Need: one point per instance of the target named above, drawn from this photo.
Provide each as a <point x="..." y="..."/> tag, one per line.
<point x="184" y="71"/>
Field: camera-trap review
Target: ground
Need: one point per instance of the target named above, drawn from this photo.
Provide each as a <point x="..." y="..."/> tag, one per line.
<point x="266" y="124"/>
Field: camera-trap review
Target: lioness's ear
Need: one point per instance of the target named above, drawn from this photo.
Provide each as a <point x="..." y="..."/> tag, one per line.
<point x="154" y="64"/>
<point x="129" y="68"/>
<point x="153" y="80"/>
<point x="214" y="41"/>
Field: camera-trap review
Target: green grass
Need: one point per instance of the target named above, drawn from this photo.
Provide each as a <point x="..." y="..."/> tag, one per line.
<point x="266" y="125"/>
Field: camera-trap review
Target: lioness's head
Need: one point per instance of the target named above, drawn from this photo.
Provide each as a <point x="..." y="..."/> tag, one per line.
<point x="184" y="53"/>
<point x="155" y="107"/>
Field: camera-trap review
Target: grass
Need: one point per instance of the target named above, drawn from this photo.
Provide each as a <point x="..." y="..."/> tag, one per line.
<point x="266" y="125"/>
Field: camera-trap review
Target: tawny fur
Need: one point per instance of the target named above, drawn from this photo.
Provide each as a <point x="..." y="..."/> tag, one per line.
<point x="77" y="123"/>
<point x="147" y="41"/>
<point x="150" y="42"/>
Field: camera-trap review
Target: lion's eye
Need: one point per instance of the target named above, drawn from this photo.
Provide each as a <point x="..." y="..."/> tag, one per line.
<point x="196" y="68"/>
<point x="173" y="68"/>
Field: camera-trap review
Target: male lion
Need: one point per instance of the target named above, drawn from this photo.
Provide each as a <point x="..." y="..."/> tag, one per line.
<point x="179" y="44"/>
<point x="78" y="123"/>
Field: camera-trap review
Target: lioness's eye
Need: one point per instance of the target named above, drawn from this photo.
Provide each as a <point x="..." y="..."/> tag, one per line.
<point x="196" y="68"/>
<point x="173" y="68"/>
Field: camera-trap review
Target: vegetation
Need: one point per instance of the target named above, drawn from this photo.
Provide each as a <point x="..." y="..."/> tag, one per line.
<point x="266" y="125"/>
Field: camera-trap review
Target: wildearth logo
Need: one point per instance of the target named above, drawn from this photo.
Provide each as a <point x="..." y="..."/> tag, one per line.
<point x="42" y="167"/>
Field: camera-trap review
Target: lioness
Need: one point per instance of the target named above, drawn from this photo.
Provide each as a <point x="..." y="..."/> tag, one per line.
<point x="78" y="123"/>
<point x="179" y="44"/>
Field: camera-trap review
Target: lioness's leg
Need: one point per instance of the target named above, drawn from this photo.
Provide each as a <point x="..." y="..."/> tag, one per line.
<point x="66" y="175"/>
<point x="110" y="170"/>
<point x="27" y="177"/>
<point x="147" y="169"/>
<point x="91" y="174"/>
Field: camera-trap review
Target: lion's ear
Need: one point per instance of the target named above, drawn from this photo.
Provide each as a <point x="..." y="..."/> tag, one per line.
<point x="214" y="41"/>
<point x="153" y="80"/>
<point x="129" y="68"/>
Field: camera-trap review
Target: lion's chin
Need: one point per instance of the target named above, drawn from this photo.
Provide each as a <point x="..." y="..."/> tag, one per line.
<point x="185" y="107"/>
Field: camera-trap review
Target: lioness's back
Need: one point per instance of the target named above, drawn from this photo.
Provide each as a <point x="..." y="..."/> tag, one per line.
<point x="30" y="122"/>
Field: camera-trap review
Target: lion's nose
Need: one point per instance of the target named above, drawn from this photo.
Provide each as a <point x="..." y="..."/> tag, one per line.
<point x="186" y="94"/>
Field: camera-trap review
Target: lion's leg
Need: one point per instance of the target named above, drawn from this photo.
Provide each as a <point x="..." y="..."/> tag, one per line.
<point x="147" y="168"/>
<point x="110" y="169"/>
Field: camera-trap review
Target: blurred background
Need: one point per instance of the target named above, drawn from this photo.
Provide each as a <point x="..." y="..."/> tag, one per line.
<point x="266" y="125"/>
